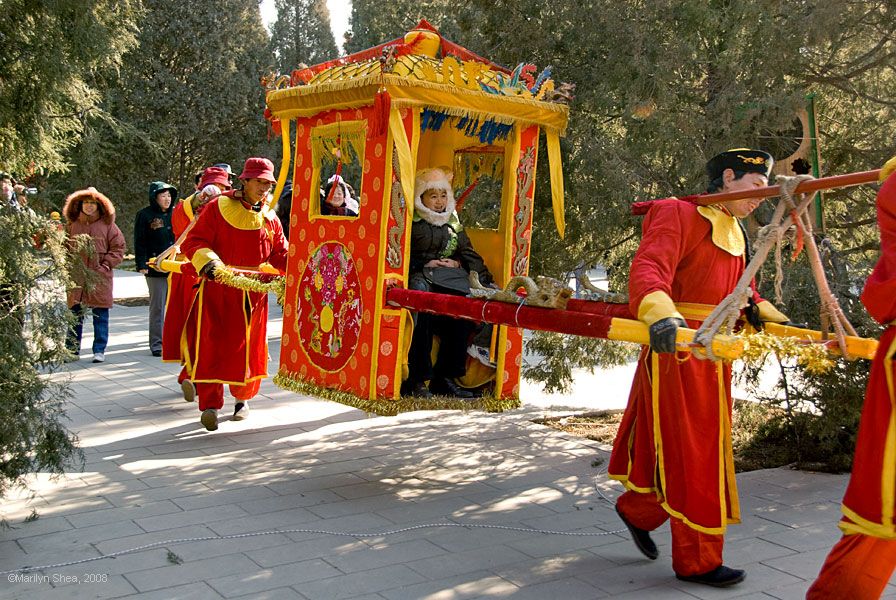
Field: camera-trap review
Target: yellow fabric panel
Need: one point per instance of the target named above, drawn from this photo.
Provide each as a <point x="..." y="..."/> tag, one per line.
<point x="305" y="101"/>
<point x="312" y="99"/>
<point x="726" y="232"/>
<point x="506" y="109"/>
<point x="490" y="246"/>
<point x="405" y="160"/>
<point x="555" y="165"/>
<point x="768" y="313"/>
<point x="655" y="306"/>
<point x="476" y="375"/>
<point x="437" y="147"/>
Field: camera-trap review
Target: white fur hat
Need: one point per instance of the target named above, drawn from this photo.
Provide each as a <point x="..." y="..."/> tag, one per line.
<point x="433" y="179"/>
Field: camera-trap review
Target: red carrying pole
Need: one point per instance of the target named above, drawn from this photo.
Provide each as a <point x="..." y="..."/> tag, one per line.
<point x="503" y="313"/>
<point x="810" y="185"/>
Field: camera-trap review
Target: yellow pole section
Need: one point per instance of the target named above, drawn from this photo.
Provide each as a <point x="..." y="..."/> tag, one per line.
<point x="284" y="164"/>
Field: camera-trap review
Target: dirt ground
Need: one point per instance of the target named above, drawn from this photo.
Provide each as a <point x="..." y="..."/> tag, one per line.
<point x="600" y="426"/>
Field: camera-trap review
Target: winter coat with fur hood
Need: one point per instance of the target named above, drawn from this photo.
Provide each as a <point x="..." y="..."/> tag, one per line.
<point x="108" y="242"/>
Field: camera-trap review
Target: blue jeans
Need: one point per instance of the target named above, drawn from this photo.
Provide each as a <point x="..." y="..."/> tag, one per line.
<point x="100" y="329"/>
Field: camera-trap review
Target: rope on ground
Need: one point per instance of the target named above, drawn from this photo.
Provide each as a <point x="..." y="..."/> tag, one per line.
<point x="373" y="534"/>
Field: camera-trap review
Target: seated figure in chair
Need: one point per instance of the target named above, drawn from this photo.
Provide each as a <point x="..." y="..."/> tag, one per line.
<point x="442" y="257"/>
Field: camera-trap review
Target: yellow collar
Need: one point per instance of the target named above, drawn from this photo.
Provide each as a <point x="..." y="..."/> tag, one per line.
<point x="726" y="232"/>
<point x="237" y="216"/>
<point x="188" y="206"/>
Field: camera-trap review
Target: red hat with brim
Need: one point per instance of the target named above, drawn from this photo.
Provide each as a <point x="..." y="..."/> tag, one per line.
<point x="258" y="168"/>
<point x="216" y="176"/>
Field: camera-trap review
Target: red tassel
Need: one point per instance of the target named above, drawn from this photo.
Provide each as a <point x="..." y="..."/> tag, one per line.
<point x="379" y="120"/>
<point x="337" y="176"/>
<point x="273" y="123"/>
<point x="463" y="197"/>
<point x="799" y="235"/>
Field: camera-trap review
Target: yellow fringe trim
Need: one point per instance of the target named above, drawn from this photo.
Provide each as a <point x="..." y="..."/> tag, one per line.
<point x="246" y="283"/>
<point x="813" y="357"/>
<point x="499" y="108"/>
<point x="385" y="407"/>
<point x="349" y="133"/>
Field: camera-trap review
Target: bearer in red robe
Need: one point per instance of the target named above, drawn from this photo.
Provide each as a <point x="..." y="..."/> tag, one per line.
<point x="862" y="562"/>
<point x="182" y="286"/>
<point x="226" y="329"/>
<point x="673" y="449"/>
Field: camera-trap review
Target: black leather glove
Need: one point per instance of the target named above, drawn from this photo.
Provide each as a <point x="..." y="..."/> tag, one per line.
<point x="751" y="314"/>
<point x="208" y="271"/>
<point x="662" y="334"/>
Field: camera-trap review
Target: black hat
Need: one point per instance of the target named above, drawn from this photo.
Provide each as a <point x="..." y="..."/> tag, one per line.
<point x="740" y="159"/>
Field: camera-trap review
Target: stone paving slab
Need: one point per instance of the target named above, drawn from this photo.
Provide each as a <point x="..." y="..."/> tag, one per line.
<point x="257" y="509"/>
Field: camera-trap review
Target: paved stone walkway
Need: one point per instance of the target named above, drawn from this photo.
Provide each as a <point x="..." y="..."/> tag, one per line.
<point x="299" y="467"/>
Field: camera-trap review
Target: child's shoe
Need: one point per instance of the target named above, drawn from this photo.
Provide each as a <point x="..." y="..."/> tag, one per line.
<point x="240" y="410"/>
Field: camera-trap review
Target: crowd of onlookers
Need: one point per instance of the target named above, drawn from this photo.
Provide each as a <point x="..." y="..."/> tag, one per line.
<point x="187" y="305"/>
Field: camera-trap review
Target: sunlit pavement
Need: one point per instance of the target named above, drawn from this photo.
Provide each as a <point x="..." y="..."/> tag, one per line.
<point x="300" y="470"/>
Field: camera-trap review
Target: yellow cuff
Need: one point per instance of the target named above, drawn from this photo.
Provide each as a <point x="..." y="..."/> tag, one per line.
<point x="769" y="314"/>
<point x="655" y="306"/>
<point x="202" y="257"/>
<point x="888" y="169"/>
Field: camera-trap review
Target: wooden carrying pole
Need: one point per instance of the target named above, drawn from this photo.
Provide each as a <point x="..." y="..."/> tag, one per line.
<point x="589" y="319"/>
<point x="811" y="185"/>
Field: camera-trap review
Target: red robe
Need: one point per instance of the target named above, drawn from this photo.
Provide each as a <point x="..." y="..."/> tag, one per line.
<point x="688" y="457"/>
<point x="870" y="502"/>
<point x="181" y="291"/>
<point x="226" y="329"/>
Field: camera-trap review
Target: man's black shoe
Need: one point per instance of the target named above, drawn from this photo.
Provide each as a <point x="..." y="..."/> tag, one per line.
<point x="641" y="537"/>
<point x="445" y="387"/>
<point x="721" y="576"/>
<point x="417" y="389"/>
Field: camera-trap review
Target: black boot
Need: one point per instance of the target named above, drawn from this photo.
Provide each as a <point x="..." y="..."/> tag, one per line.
<point x="641" y="537"/>
<point x="416" y="389"/>
<point x="443" y="386"/>
<point x="721" y="576"/>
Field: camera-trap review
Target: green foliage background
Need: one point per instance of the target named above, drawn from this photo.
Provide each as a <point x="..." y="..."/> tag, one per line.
<point x="33" y="323"/>
<point x="662" y="86"/>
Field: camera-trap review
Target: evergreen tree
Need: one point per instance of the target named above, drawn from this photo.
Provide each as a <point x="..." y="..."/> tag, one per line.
<point x="48" y="54"/>
<point x="186" y="97"/>
<point x="34" y="268"/>
<point x="370" y="25"/>
<point x="662" y="86"/>
<point x="302" y="34"/>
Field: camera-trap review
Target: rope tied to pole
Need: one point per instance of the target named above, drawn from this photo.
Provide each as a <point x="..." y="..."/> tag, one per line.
<point x="789" y="212"/>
